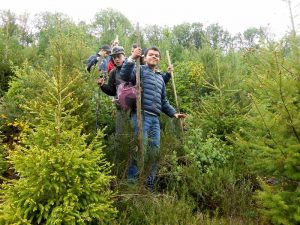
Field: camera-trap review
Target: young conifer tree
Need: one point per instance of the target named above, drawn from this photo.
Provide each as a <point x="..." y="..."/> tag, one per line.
<point x="62" y="179"/>
<point x="273" y="140"/>
<point x="3" y="163"/>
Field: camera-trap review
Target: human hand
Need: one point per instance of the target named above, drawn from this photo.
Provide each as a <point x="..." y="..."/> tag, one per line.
<point x="179" y="115"/>
<point x="100" y="81"/>
<point x="170" y="69"/>
<point x="116" y="41"/>
<point x="136" y="53"/>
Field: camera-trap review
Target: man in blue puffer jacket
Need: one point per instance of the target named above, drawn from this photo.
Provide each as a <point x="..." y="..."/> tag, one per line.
<point x="154" y="101"/>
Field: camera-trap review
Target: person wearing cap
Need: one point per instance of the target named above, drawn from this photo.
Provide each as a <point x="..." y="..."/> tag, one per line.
<point x="154" y="101"/>
<point x="111" y="63"/>
<point x="104" y="53"/>
<point x="102" y="56"/>
<point x="118" y="56"/>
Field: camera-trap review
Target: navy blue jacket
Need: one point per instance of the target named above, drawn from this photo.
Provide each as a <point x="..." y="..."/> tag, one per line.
<point x="92" y="60"/>
<point x="154" y="99"/>
<point x="165" y="76"/>
<point x="103" y="66"/>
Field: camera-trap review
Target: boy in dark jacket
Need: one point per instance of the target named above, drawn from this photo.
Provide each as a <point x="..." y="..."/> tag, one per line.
<point x="118" y="55"/>
<point x="154" y="101"/>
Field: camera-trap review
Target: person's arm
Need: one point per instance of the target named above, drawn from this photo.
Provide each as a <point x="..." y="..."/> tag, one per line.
<point x="167" y="76"/>
<point x="110" y="87"/>
<point x="167" y="108"/>
<point x="165" y="105"/>
<point x="92" y="60"/>
<point x="128" y="70"/>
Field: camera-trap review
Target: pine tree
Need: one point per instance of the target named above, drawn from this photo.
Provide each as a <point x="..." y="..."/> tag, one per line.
<point x="273" y="139"/>
<point x="70" y="44"/>
<point x="62" y="179"/>
<point x="3" y="164"/>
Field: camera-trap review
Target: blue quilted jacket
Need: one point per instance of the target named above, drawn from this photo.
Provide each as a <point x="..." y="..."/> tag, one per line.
<point x="154" y="99"/>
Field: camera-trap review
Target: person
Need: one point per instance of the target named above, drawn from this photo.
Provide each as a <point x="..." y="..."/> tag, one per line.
<point x="105" y="56"/>
<point x="166" y="76"/>
<point x="99" y="58"/>
<point x="154" y="101"/>
<point x="118" y="56"/>
<point x="91" y="61"/>
<point x="102" y="57"/>
<point x="111" y="63"/>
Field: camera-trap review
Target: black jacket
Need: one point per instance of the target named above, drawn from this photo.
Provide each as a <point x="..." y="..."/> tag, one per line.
<point x="113" y="82"/>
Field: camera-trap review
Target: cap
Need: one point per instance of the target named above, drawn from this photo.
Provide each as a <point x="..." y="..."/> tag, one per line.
<point x="105" y="48"/>
<point x="117" y="50"/>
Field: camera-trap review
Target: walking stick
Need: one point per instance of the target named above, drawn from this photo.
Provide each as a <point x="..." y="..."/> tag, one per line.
<point x="174" y="90"/>
<point x="139" y="112"/>
<point x="102" y="74"/>
<point x="97" y="98"/>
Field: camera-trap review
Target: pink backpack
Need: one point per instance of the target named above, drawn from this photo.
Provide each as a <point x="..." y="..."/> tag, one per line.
<point x="126" y="94"/>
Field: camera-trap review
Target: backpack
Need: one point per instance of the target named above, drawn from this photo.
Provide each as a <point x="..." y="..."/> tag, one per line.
<point x="126" y="94"/>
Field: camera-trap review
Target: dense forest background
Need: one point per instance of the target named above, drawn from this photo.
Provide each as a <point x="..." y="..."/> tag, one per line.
<point x="237" y="161"/>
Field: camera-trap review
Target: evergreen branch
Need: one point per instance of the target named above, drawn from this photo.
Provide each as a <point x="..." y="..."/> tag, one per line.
<point x="5" y="179"/>
<point x="141" y="195"/>
<point x="286" y="69"/>
<point x="287" y="110"/>
<point x="204" y="108"/>
<point x="265" y="124"/>
<point x="261" y="83"/>
<point x="209" y="85"/>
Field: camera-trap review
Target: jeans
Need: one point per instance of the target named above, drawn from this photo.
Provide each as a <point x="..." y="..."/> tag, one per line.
<point x="151" y="133"/>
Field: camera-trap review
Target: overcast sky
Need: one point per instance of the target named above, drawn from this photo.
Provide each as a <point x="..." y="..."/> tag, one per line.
<point x="233" y="15"/>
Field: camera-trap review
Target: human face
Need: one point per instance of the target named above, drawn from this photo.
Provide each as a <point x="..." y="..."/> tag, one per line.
<point x="102" y="53"/>
<point x="118" y="59"/>
<point x="152" y="58"/>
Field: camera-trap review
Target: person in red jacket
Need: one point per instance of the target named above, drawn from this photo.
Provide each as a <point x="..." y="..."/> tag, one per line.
<point x="111" y="63"/>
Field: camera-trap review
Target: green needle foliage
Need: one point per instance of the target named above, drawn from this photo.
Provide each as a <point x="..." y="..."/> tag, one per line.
<point x="62" y="179"/>
<point x="273" y="138"/>
<point x="3" y="164"/>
